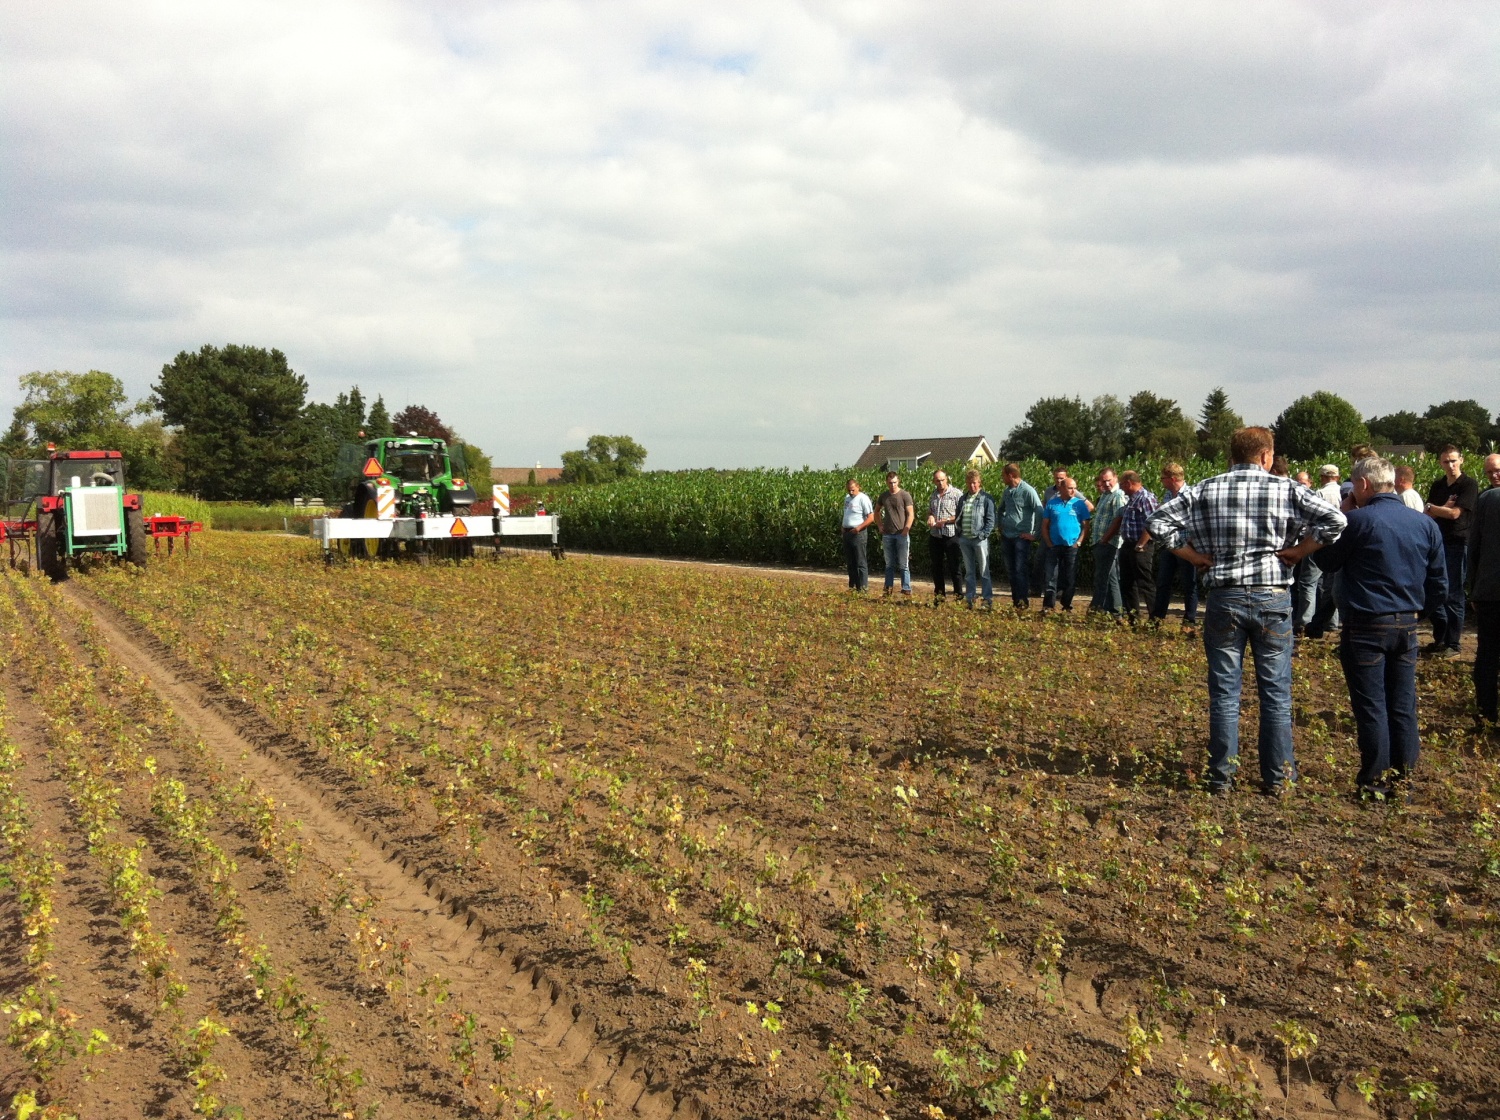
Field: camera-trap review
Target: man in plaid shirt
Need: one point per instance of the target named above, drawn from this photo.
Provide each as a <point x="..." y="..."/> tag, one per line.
<point x="1245" y="530"/>
<point x="1138" y="550"/>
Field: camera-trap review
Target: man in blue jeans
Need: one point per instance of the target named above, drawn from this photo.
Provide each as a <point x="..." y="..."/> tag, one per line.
<point x="1234" y="528"/>
<point x="1020" y="522"/>
<point x="1393" y="565"/>
<point x="897" y="513"/>
<point x="976" y="521"/>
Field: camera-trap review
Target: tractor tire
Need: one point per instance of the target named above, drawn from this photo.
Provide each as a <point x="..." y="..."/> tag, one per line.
<point x="362" y="506"/>
<point x="50" y="556"/>
<point x="135" y="538"/>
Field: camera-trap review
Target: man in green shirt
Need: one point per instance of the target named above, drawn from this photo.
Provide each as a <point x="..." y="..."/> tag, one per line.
<point x="1104" y="535"/>
<point x="1020" y="522"/>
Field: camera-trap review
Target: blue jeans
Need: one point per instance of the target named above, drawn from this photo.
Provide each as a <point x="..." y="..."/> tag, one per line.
<point x="1169" y="567"/>
<point x="1062" y="574"/>
<point x="1307" y="577"/>
<point x="976" y="567"/>
<point x="1107" y="578"/>
<point x="1261" y="616"/>
<point x="1326" y="616"/>
<point x="897" y="549"/>
<point x="1017" y="554"/>
<point x="1448" y="616"/>
<point x="1380" y="666"/>
<point x="857" y="558"/>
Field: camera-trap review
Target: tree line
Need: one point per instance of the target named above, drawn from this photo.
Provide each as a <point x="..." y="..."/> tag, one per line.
<point x="1066" y="430"/>
<point x="230" y="423"/>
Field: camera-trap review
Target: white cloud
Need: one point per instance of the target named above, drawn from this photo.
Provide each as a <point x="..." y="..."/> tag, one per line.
<point x="747" y="235"/>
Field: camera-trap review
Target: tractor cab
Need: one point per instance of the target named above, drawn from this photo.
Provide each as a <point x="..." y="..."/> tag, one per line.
<point x="82" y="509"/>
<point x="80" y="469"/>
<point x="419" y="477"/>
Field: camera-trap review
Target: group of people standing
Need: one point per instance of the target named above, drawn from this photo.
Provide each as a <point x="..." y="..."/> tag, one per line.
<point x="1131" y="575"/>
<point x="1382" y="559"/>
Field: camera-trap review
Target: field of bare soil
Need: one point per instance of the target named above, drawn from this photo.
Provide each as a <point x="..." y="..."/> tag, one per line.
<point x="524" y="838"/>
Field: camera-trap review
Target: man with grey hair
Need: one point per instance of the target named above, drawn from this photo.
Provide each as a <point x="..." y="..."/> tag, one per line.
<point x="1393" y="568"/>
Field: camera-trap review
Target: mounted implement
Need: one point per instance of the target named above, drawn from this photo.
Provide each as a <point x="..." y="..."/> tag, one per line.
<point x="83" y="510"/>
<point x="409" y="498"/>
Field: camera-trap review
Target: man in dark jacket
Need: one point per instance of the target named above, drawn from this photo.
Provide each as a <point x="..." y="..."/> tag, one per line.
<point x="1393" y="567"/>
<point x="1484" y="590"/>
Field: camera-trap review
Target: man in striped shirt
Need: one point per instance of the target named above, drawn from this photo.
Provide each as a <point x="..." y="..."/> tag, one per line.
<point x="1245" y="530"/>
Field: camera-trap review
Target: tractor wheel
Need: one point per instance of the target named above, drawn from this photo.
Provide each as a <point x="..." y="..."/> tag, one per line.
<point x="363" y="506"/>
<point x="50" y="556"/>
<point x="135" y="537"/>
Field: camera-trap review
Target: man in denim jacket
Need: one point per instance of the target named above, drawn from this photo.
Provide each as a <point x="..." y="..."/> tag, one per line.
<point x="975" y="522"/>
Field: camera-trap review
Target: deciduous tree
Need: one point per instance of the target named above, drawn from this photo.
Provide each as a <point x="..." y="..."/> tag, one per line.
<point x="90" y="411"/>
<point x="1056" y="429"/>
<point x="240" y="413"/>
<point x="423" y="421"/>
<point x="604" y="459"/>
<point x="1318" y="424"/>
<point x="1155" y="425"/>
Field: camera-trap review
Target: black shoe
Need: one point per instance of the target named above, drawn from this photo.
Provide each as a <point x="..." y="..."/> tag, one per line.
<point x="1433" y="649"/>
<point x="1220" y="791"/>
<point x="1276" y="791"/>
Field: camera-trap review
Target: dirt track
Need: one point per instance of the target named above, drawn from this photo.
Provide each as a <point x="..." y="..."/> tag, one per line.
<point x="555" y="1045"/>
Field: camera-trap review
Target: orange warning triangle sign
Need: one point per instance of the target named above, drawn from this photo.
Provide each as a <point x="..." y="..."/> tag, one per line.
<point x="459" y="528"/>
<point x="372" y="467"/>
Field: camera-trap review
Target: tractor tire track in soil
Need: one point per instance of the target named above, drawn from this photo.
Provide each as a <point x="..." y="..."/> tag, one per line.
<point x="556" y="1042"/>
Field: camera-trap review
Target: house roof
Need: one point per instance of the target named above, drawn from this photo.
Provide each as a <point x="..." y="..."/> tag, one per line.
<point x="944" y="449"/>
<point x="519" y="476"/>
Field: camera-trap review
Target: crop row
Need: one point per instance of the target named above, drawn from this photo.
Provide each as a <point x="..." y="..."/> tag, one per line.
<point x="103" y="755"/>
<point x="690" y="760"/>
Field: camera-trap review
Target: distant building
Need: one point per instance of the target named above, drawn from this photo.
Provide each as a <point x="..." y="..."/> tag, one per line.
<point x="522" y="476"/>
<point x="924" y="454"/>
<point x="1396" y="450"/>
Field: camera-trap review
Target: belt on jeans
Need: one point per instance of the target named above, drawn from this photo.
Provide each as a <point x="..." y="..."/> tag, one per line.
<point x="1400" y="616"/>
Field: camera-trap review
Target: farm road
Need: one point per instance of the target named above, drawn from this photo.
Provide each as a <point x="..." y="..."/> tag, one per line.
<point x="553" y="1043"/>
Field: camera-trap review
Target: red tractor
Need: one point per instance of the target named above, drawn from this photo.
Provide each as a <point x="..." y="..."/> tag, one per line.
<point x="82" y="509"/>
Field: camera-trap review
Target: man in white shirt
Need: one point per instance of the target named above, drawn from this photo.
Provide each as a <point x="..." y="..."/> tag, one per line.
<point x="1329" y="489"/>
<point x="1406" y="489"/>
<point x="859" y="513"/>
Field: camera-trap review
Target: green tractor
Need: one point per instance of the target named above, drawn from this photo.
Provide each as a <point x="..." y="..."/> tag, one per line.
<point x="404" y="476"/>
<point x="84" y="511"/>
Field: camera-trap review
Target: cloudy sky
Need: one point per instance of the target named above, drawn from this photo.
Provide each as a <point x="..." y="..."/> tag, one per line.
<point x="755" y="234"/>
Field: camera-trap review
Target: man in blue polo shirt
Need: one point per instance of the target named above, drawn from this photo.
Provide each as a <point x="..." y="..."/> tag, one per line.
<point x="1062" y="529"/>
<point x="1393" y="567"/>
